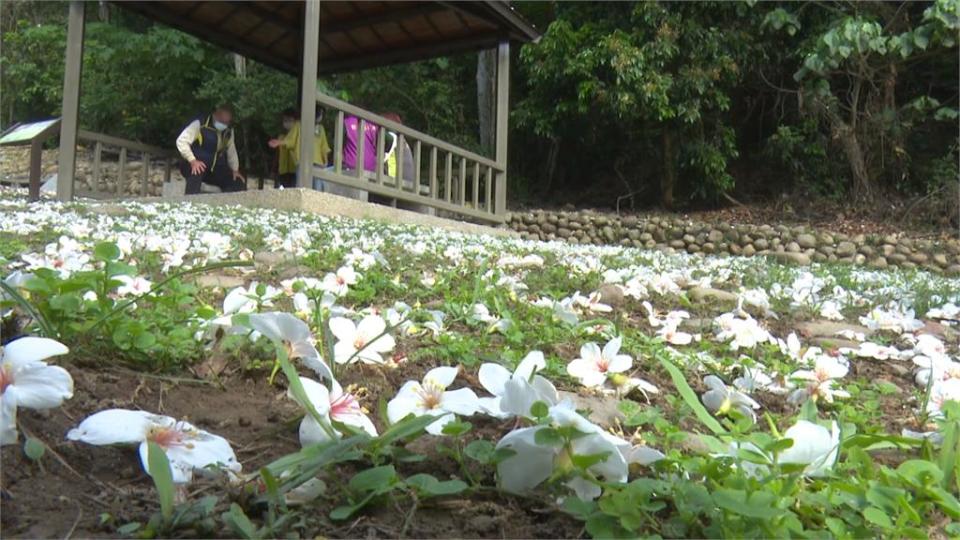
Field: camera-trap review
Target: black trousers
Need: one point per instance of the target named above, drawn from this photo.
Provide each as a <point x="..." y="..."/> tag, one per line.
<point x="220" y="176"/>
<point x="287" y="180"/>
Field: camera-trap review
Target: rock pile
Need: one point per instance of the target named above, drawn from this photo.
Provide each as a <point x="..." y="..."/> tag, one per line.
<point x="792" y="244"/>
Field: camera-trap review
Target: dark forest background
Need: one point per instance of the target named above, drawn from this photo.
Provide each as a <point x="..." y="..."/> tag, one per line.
<point x="681" y="105"/>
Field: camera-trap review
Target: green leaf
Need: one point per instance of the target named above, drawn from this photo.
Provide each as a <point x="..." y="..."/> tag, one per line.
<point x="585" y="461"/>
<point x="374" y="479"/>
<point x="480" y="450"/>
<point x="920" y="472"/>
<point x="144" y="341"/>
<point x="758" y="506"/>
<point x="690" y="397"/>
<point x="158" y="466"/>
<point x="547" y="436"/>
<point x="239" y="523"/>
<point x="429" y="485"/>
<point x="128" y="529"/>
<point x="404" y="429"/>
<point x="539" y="409"/>
<point x="106" y="251"/>
<point x="33" y="448"/>
<point x="457" y="428"/>
<point x="878" y="517"/>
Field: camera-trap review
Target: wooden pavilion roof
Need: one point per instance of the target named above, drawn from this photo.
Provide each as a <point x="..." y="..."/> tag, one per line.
<point x="353" y="35"/>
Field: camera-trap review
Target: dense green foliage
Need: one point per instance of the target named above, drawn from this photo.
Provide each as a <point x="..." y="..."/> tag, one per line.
<point x="670" y="102"/>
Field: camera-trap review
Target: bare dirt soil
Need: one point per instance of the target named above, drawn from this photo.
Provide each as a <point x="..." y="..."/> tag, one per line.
<point x="77" y="490"/>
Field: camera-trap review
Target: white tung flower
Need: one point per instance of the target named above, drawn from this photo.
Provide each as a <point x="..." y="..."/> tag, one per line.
<point x="333" y="404"/>
<point x="187" y="447"/>
<point x="820" y="382"/>
<point x="339" y="283"/>
<point x="814" y="446"/>
<point x="364" y="342"/>
<point x="132" y="285"/>
<point x="294" y="336"/>
<point x="432" y="398"/>
<point x="594" y="366"/>
<point x="246" y="300"/>
<point x="27" y="381"/>
<point x="514" y="393"/>
<point x="533" y="463"/>
<point x="721" y="399"/>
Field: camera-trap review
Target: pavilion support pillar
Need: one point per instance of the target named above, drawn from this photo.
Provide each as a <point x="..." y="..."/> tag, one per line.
<point x="503" y="114"/>
<point x="70" y="110"/>
<point x="308" y="91"/>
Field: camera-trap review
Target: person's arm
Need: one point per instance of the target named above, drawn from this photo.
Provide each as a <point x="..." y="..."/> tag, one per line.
<point x="232" y="159"/>
<point x="186" y="138"/>
<point x="291" y="139"/>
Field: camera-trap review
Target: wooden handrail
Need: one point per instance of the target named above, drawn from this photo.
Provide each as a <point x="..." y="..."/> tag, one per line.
<point x="124" y="143"/>
<point x="368" y="116"/>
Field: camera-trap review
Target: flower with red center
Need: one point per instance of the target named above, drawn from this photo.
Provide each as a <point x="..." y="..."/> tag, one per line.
<point x="339" y="283"/>
<point x="431" y="397"/>
<point x="331" y="405"/>
<point x="187" y="447"/>
<point x="821" y="380"/>
<point x="27" y="381"/>
<point x="594" y="365"/>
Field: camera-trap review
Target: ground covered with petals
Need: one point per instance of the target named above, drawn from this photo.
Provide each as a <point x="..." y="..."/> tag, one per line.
<point x="315" y="376"/>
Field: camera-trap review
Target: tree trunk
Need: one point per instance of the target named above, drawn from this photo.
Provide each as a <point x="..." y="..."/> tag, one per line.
<point x="669" y="177"/>
<point x="862" y="189"/>
<point x="550" y="166"/>
<point x="240" y="66"/>
<point x="846" y="135"/>
<point x="486" y="82"/>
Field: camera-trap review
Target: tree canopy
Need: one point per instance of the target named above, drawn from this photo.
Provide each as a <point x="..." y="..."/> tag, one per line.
<point x="677" y="103"/>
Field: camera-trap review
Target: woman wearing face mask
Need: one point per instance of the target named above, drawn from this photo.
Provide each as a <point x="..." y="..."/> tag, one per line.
<point x="210" y="155"/>
<point x="289" y="147"/>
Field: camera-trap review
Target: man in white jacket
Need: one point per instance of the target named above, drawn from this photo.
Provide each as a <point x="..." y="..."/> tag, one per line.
<point x="209" y="153"/>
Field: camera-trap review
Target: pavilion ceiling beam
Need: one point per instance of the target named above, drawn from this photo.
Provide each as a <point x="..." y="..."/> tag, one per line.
<point x="158" y="13"/>
<point x="388" y="15"/>
<point x="266" y="15"/>
<point x="411" y="54"/>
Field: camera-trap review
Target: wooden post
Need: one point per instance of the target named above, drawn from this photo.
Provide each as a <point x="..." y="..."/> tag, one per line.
<point x="97" y="156"/>
<point x="145" y="180"/>
<point x="398" y="153"/>
<point x="488" y="186"/>
<point x="476" y="185"/>
<point x="73" y="65"/>
<point x="308" y="89"/>
<point x="503" y="115"/>
<point x="36" y="168"/>
<point x="448" y="185"/>
<point x="338" y="144"/>
<point x="462" y="189"/>
<point x="120" y="189"/>
<point x="381" y="150"/>
<point x="416" y="166"/>
<point x="361" y="163"/>
<point x="434" y="190"/>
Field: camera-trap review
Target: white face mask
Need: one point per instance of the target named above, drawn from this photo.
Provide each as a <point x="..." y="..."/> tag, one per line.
<point x="287" y="124"/>
<point x="219" y="125"/>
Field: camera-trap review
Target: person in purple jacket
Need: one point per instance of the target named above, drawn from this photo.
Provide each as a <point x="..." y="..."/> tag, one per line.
<point x="350" y="126"/>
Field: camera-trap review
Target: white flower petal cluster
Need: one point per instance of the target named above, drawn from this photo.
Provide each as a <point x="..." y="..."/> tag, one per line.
<point x="27" y="381"/>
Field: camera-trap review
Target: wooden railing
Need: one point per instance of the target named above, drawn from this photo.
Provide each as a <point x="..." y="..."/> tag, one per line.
<point x="130" y="155"/>
<point x="444" y="177"/>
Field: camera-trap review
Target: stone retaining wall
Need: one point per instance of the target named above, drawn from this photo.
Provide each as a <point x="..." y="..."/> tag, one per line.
<point x="797" y="244"/>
